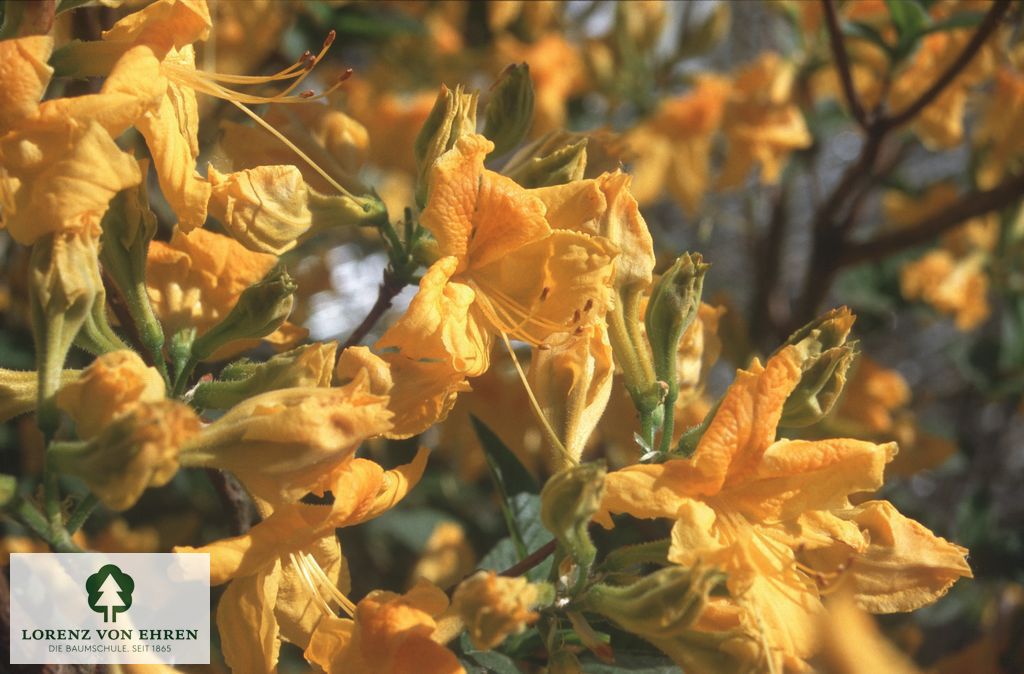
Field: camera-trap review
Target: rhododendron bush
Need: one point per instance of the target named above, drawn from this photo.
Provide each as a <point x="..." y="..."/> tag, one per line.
<point x="527" y="336"/>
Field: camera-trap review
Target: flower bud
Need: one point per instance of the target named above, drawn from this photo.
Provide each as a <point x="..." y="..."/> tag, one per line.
<point x="572" y="381"/>
<point x="65" y="281"/>
<point x="509" y="111"/>
<point x="825" y="357"/>
<point x="111" y="385"/>
<point x="453" y="116"/>
<point x="659" y="606"/>
<point x="282" y="443"/>
<point x="261" y="309"/>
<point x="138" y="450"/>
<point x="269" y="209"/>
<point x="307" y="366"/>
<point x="128" y="227"/>
<point x="568" y="502"/>
<point x="19" y="390"/>
<point x="494" y="607"/>
<point x="556" y="167"/>
<point x="674" y="303"/>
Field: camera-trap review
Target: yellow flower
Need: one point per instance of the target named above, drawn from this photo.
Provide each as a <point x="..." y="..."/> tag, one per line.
<point x="58" y="170"/>
<point x="853" y="644"/>
<point x="136" y="450"/>
<point x="288" y="570"/>
<point x="111" y="385"/>
<point x="282" y="443"/>
<point x="673" y="147"/>
<point x="447" y="556"/>
<point x="762" y="125"/>
<point x="419" y="393"/>
<point x="494" y="607"/>
<point x="488" y="230"/>
<point x="775" y="516"/>
<point x="194" y="280"/>
<point x="572" y="381"/>
<point x="1000" y="130"/>
<point x="390" y="634"/>
<point x="952" y="278"/>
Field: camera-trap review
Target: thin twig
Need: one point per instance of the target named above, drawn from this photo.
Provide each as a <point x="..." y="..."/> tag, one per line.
<point x="970" y="205"/>
<point x="842" y="60"/>
<point x="531" y="560"/>
<point x="389" y="289"/>
<point x="985" y="29"/>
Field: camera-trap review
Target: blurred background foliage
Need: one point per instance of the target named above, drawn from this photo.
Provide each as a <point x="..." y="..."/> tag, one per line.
<point x="944" y="370"/>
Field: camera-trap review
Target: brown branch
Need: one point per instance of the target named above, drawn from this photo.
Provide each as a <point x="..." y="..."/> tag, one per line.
<point x="842" y="61"/>
<point x="970" y="205"/>
<point x="985" y="29"/>
<point x="531" y="560"/>
<point x="389" y="289"/>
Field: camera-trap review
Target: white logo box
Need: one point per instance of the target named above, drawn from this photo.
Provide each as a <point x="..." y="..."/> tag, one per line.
<point x="146" y="608"/>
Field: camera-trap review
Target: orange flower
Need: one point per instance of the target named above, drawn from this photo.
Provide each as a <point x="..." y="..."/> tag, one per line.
<point x="195" y="280"/>
<point x="775" y="516"/>
<point x="762" y="124"/>
<point x="673" y="147"/>
<point x="488" y="230"/>
<point x="389" y="634"/>
<point x="288" y="570"/>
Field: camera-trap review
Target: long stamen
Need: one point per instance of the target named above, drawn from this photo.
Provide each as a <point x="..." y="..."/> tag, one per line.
<point x="552" y="436"/>
<point x="277" y="134"/>
<point x="304" y="574"/>
<point x="337" y="595"/>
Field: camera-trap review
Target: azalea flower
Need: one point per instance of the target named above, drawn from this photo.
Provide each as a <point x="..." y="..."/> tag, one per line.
<point x="673" y="146"/>
<point x="287" y="573"/>
<point x="488" y="229"/>
<point x="195" y="279"/>
<point x="952" y="278"/>
<point x="775" y="516"/>
<point x="388" y="634"/>
<point x="762" y="124"/>
<point x="59" y="167"/>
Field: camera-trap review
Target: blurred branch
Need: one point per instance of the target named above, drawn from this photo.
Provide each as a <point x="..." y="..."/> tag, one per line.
<point x="531" y="560"/>
<point x="389" y="289"/>
<point x="842" y="60"/>
<point x="987" y="27"/>
<point x="970" y="205"/>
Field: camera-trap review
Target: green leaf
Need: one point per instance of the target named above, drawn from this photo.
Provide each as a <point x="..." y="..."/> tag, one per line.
<point x="525" y="511"/>
<point x="909" y="17"/>
<point x="484" y="662"/>
<point x="510" y="470"/>
<point x="955" y="22"/>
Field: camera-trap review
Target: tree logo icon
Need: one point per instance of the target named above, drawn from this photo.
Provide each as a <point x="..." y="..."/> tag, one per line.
<point x="110" y="592"/>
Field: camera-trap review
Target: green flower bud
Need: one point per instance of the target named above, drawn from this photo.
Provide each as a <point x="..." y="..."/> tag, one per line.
<point x="509" y="113"/>
<point x="128" y="227"/>
<point x="453" y="116"/>
<point x="307" y="366"/>
<point x="343" y="210"/>
<point x="64" y="283"/>
<point x="568" y="502"/>
<point x="825" y="358"/>
<point x="675" y="300"/>
<point x="261" y="309"/>
<point x="561" y="165"/>
<point x="658" y="606"/>
<point x="139" y="449"/>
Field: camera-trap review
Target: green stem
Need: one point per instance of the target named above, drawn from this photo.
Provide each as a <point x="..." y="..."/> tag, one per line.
<point x="653" y="552"/>
<point x="85" y="508"/>
<point x="30" y="516"/>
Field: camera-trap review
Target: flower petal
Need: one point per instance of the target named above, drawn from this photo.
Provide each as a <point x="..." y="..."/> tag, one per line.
<point x="246" y="623"/>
